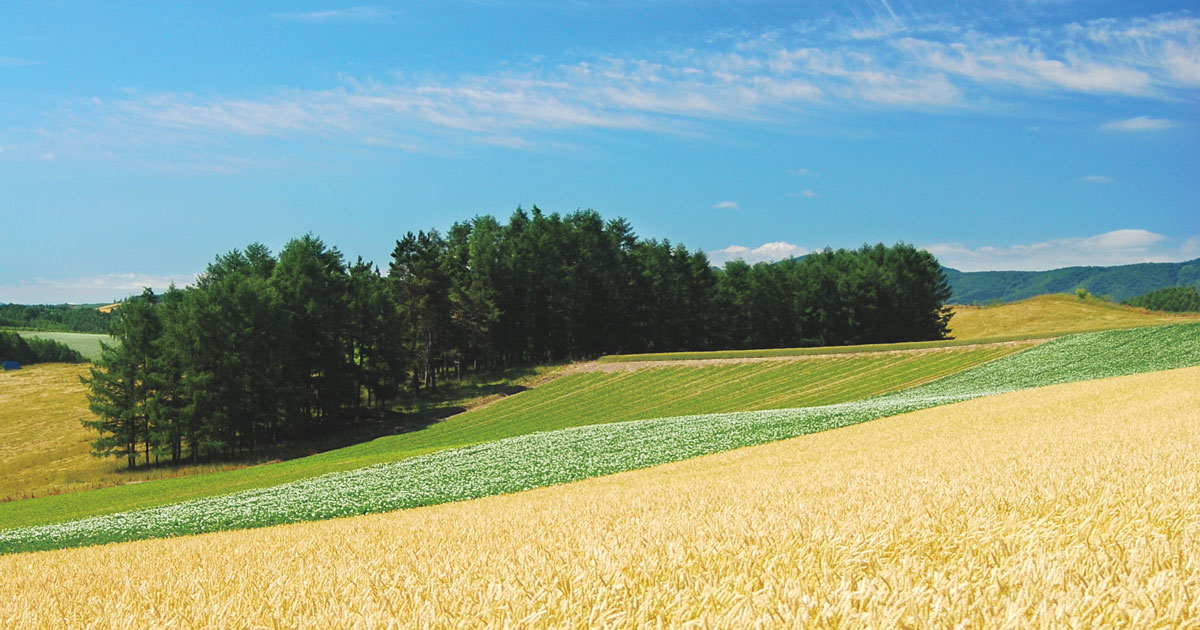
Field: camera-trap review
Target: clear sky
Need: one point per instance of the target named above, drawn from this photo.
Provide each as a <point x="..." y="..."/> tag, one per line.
<point x="139" y="140"/>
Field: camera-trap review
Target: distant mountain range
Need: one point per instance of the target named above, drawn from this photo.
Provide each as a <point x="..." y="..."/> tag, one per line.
<point x="1118" y="283"/>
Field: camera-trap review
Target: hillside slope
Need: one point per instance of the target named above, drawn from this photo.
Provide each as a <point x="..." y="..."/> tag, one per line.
<point x="555" y="457"/>
<point x="577" y="399"/>
<point x="1053" y="315"/>
<point x="1028" y="509"/>
<point x="1118" y="283"/>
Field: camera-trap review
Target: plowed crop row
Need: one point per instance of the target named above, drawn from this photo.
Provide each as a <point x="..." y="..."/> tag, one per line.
<point x="1067" y="507"/>
<point x="549" y="458"/>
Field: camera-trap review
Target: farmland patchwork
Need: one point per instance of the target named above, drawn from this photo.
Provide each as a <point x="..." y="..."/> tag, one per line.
<point x="541" y="459"/>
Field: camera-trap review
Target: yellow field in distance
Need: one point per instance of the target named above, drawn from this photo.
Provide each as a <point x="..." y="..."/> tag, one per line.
<point x="1069" y="506"/>
<point x="1053" y="315"/>
<point x="43" y="447"/>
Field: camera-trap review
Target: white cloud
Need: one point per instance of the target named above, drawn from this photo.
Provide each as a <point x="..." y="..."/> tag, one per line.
<point x="770" y="77"/>
<point x="91" y="289"/>
<point x="726" y="205"/>
<point x="1140" y="123"/>
<point x="1119" y="247"/>
<point x="1096" y="179"/>
<point x="802" y="172"/>
<point x="807" y="194"/>
<point x="778" y="250"/>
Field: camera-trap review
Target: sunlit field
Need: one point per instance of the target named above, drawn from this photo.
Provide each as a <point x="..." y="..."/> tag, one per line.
<point x="574" y="400"/>
<point x="44" y="450"/>
<point x="1068" y="506"/>
<point x="1053" y="315"/>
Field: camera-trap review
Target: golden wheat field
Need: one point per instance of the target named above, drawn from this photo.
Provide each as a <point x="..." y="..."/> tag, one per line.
<point x="1074" y="506"/>
<point x="1053" y="315"/>
<point x="43" y="447"/>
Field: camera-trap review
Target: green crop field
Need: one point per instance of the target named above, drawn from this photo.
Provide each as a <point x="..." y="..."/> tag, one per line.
<point x="572" y="400"/>
<point x="545" y="458"/>
<point x="87" y="344"/>
<point x="774" y="353"/>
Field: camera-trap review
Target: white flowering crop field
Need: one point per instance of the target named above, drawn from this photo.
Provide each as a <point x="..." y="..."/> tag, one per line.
<point x="555" y="457"/>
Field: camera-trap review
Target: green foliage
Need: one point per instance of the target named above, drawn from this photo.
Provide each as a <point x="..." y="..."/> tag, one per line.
<point x="875" y="294"/>
<point x="568" y="401"/>
<point x="14" y="347"/>
<point x="548" y="458"/>
<point x="60" y="318"/>
<point x="262" y="351"/>
<point x="267" y="350"/>
<point x="1119" y="282"/>
<point x="1170" y="300"/>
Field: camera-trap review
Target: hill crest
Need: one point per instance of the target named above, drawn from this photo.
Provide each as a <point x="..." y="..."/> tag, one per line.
<point x="1119" y="282"/>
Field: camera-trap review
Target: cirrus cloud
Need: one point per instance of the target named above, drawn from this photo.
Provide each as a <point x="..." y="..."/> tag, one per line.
<point x="1118" y="247"/>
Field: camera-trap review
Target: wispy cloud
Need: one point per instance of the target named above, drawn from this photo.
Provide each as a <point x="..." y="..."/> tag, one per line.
<point x="778" y="250"/>
<point x="802" y="172"/>
<point x="770" y="77"/>
<point x="90" y="289"/>
<point x="1096" y="179"/>
<point x="351" y="14"/>
<point x="1118" y="247"/>
<point x="726" y="205"/>
<point x="807" y="194"/>
<point x="1140" y="123"/>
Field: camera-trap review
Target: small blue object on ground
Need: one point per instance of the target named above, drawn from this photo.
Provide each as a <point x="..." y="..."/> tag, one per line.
<point x="11" y="365"/>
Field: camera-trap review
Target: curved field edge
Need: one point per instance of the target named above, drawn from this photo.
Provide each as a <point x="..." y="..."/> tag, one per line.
<point x="86" y="344"/>
<point x="1069" y="506"/>
<point x="1060" y="314"/>
<point x="1041" y="317"/>
<point x="765" y="353"/>
<point x="568" y="400"/>
<point x="549" y="458"/>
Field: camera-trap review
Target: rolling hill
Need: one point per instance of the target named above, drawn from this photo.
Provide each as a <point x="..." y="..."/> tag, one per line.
<point x="580" y="451"/>
<point x="1038" y="508"/>
<point x="1117" y="283"/>
<point x="1053" y="315"/>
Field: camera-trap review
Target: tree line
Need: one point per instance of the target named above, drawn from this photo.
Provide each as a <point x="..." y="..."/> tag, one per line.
<point x="54" y="318"/>
<point x="267" y="349"/>
<point x="14" y="347"/>
<point x="1169" y="299"/>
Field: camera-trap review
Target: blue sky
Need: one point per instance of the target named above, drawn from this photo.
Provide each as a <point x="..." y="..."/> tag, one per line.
<point x="137" y="142"/>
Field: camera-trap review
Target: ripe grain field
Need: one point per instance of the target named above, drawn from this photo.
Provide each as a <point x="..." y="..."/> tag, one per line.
<point x="1068" y="506"/>
<point x="43" y="447"/>
<point x="1058" y="314"/>
<point x="554" y="457"/>
<point x="569" y="401"/>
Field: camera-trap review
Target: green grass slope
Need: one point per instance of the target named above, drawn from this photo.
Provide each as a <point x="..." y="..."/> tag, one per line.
<point x="87" y="344"/>
<point x="577" y="399"/>
<point x="547" y="458"/>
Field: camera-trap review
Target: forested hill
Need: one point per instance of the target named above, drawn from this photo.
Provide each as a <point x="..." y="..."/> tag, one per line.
<point x="54" y="318"/>
<point x="1117" y="283"/>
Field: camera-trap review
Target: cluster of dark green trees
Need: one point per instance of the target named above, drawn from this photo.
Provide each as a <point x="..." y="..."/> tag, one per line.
<point x="1170" y="300"/>
<point x="267" y="349"/>
<point x="14" y="347"/>
<point x="57" y="317"/>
